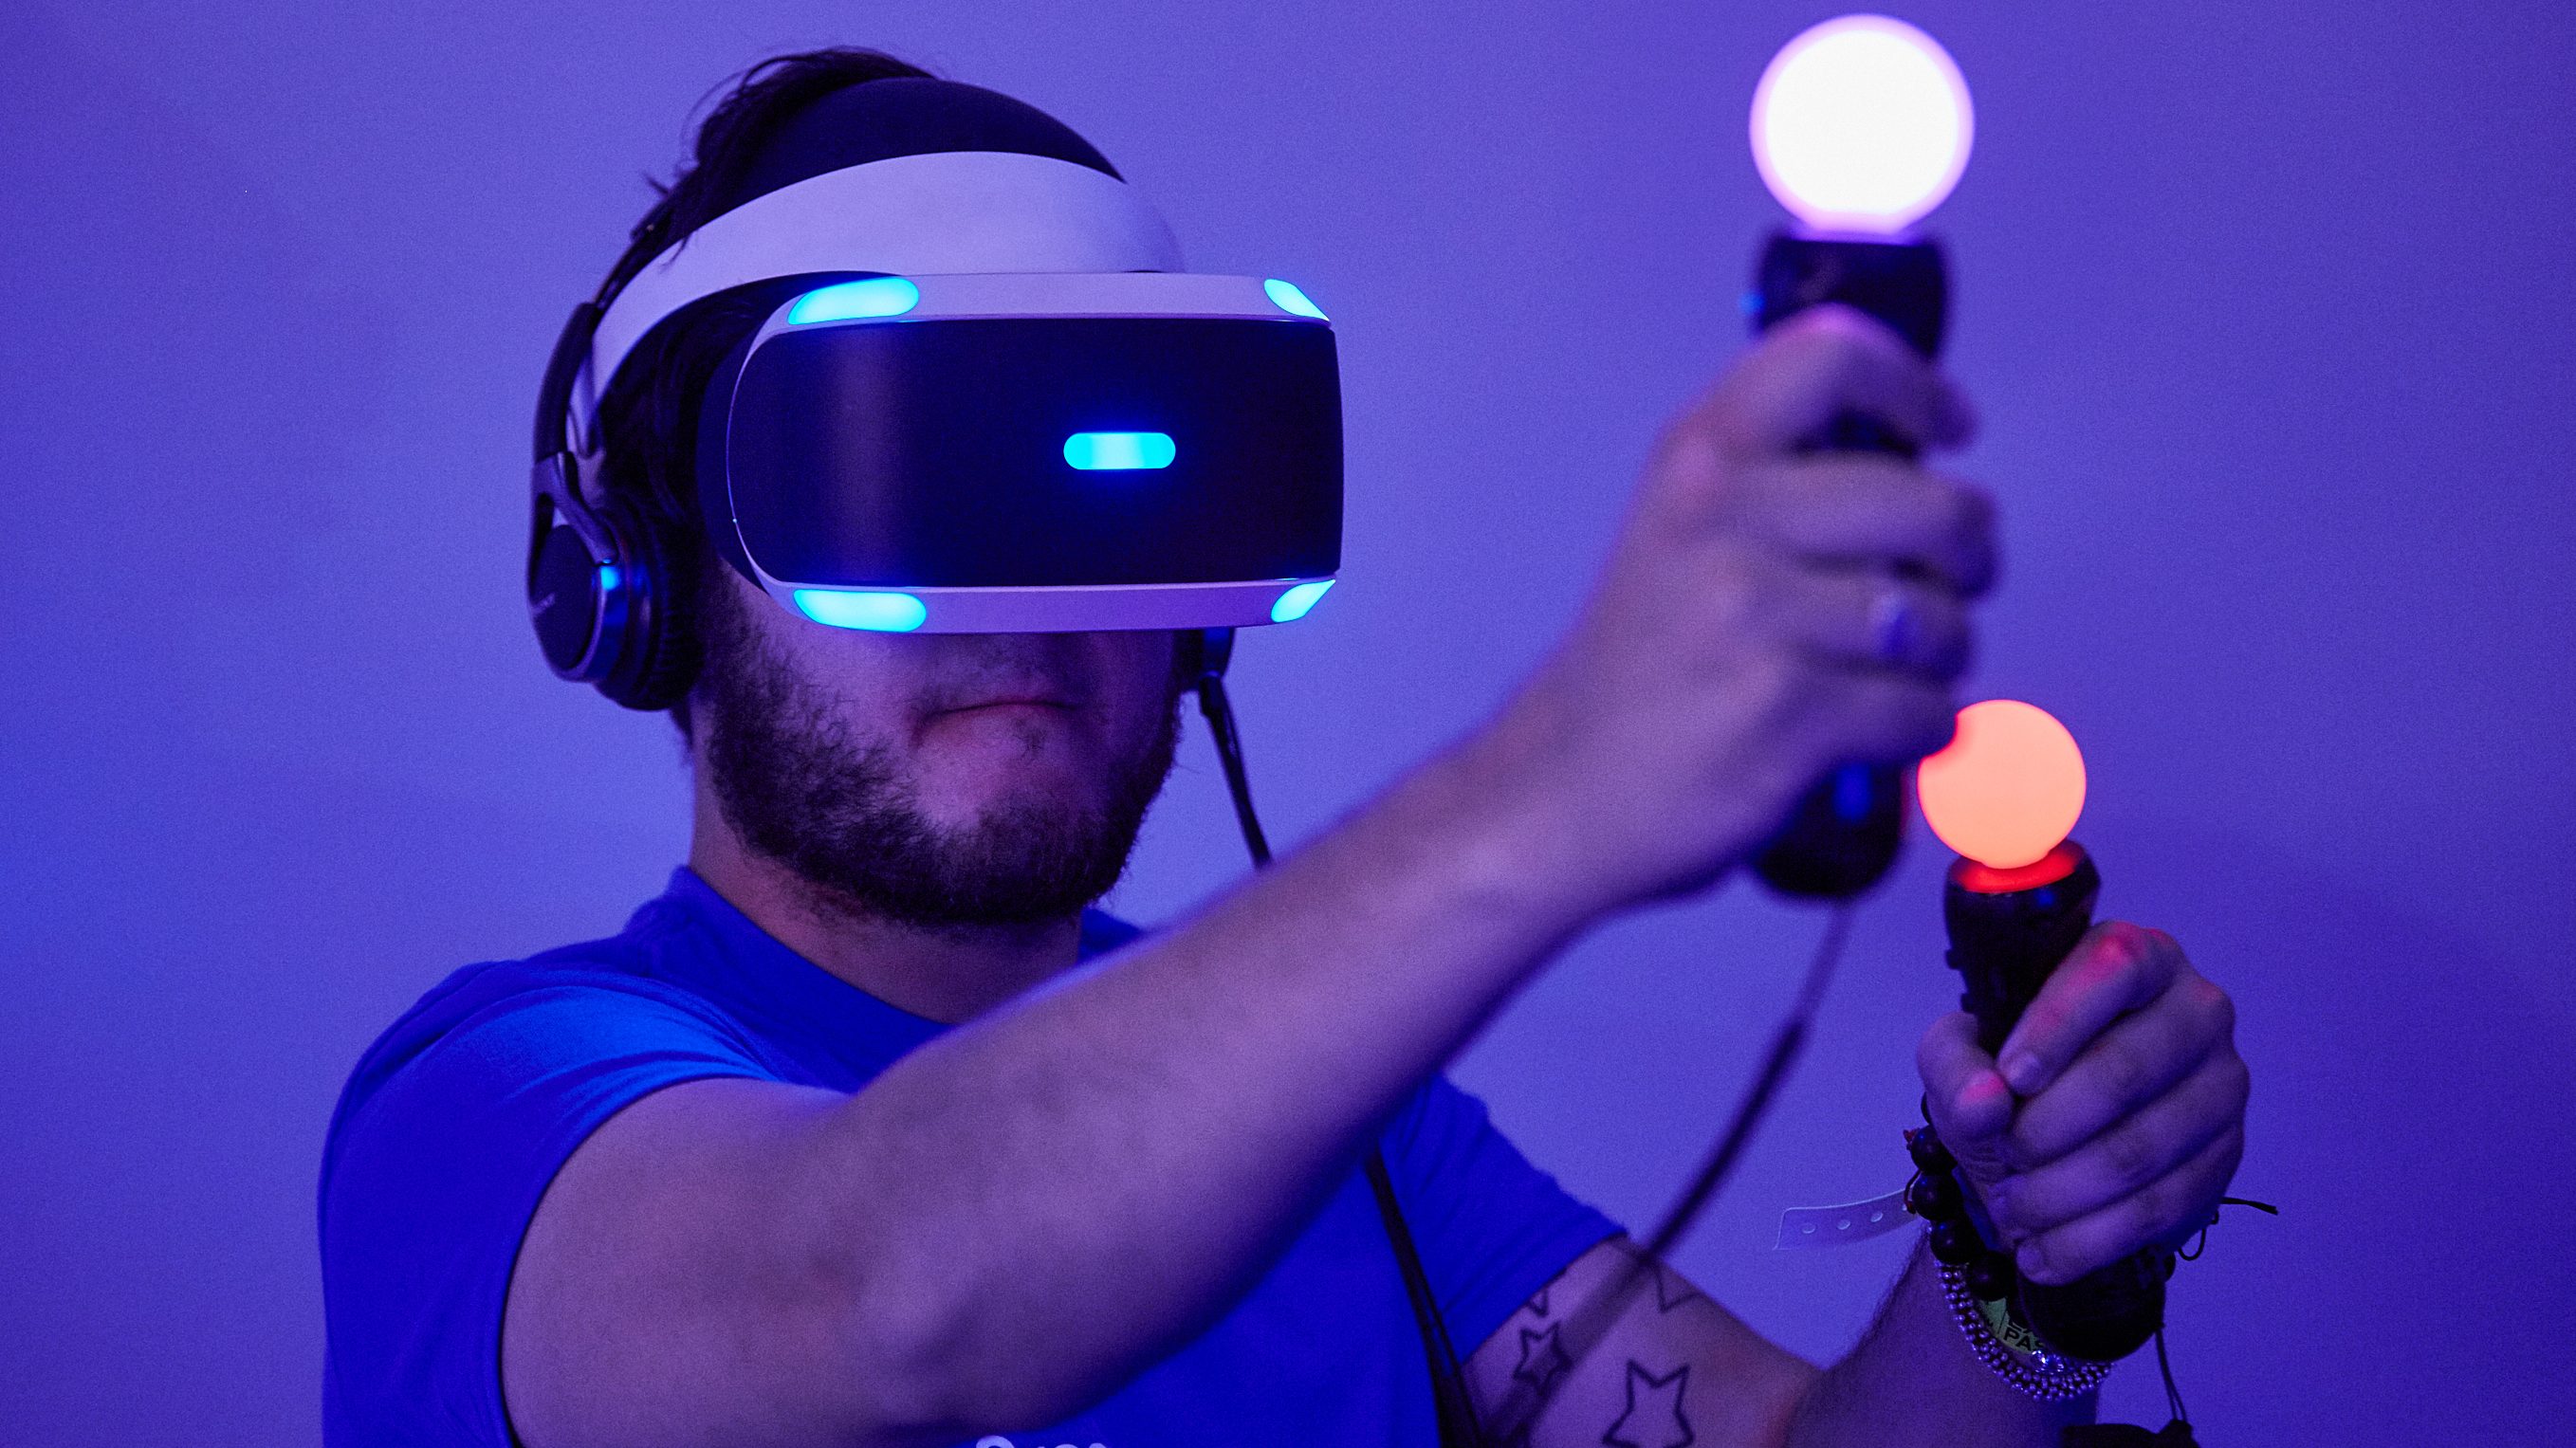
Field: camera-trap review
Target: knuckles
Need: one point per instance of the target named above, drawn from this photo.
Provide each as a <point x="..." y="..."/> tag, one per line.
<point x="2119" y="948"/>
<point x="2215" y="1008"/>
<point x="1742" y="602"/>
<point x="2125" y="1073"/>
<point x="2145" y="1215"/>
<point x="2237" y="1086"/>
<point x="2134" y="1156"/>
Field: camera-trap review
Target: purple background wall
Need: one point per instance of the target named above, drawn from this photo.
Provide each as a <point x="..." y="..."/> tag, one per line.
<point x="2267" y="306"/>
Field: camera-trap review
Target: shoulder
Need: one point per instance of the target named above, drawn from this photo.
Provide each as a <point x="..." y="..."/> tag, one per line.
<point x="533" y="1053"/>
<point x="448" y="1133"/>
<point x="535" y="1012"/>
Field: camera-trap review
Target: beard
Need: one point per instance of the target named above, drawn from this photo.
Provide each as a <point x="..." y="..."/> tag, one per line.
<point x="799" y="786"/>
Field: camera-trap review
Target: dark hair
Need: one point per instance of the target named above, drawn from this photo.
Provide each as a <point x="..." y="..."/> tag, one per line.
<point x="648" y="420"/>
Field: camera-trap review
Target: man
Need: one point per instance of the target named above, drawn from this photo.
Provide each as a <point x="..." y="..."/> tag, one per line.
<point x="866" y="1132"/>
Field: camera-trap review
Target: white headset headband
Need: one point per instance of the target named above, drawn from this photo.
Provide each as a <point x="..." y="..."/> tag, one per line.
<point x="946" y="212"/>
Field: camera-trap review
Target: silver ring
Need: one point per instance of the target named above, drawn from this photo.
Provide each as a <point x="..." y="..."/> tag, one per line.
<point x="1891" y="625"/>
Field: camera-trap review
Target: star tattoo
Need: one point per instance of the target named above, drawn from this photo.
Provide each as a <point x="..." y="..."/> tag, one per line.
<point x="1654" y="1417"/>
<point x="1543" y="1359"/>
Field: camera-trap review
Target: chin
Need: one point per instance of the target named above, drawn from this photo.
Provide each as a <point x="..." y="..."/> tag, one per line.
<point x="965" y="800"/>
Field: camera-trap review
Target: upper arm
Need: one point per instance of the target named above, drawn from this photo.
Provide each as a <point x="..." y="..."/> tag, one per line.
<point x="1490" y="1227"/>
<point x="1670" y="1365"/>
<point x="602" y="1169"/>
<point x="1624" y="1351"/>
<point x="677" y="1286"/>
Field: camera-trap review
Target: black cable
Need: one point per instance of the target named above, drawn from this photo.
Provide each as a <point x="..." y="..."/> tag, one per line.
<point x="1229" y="754"/>
<point x="2173" y="1394"/>
<point x="2164" y="1363"/>
<point x="1451" y="1407"/>
<point x="1785" y="1046"/>
<point x="1585" y="1327"/>
<point x="1588" y="1323"/>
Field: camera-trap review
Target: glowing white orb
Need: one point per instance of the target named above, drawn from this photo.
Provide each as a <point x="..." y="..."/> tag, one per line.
<point x="1861" y="124"/>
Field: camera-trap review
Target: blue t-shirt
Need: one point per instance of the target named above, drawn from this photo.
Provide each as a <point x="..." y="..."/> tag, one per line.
<point x="457" y="1118"/>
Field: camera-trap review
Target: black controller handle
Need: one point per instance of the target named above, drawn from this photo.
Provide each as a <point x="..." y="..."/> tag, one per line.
<point x="2005" y="944"/>
<point x="1845" y="831"/>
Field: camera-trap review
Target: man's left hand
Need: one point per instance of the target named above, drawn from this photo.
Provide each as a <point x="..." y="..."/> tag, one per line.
<point x="2117" y="1116"/>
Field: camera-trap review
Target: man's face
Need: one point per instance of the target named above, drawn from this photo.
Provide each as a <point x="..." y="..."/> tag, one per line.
<point x="937" y="780"/>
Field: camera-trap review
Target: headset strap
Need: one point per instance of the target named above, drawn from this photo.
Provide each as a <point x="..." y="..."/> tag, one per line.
<point x="939" y="212"/>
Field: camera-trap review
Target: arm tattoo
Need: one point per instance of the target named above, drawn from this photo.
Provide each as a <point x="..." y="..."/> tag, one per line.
<point x="1654" y="1417"/>
<point x="1671" y="1288"/>
<point x="1552" y="1345"/>
<point x="1543" y="1359"/>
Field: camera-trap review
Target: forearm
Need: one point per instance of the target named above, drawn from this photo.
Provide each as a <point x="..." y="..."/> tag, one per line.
<point x="1913" y="1380"/>
<point x="1044" y="1200"/>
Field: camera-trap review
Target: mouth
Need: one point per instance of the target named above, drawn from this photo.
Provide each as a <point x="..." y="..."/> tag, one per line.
<point x="1003" y="687"/>
<point x="1011" y="703"/>
<point x="1023" y="718"/>
<point x="1018" y="696"/>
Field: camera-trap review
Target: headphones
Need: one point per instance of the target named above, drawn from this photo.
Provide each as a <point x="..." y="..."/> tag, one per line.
<point x="601" y="590"/>
<point x="610" y="607"/>
<point x="605" y="591"/>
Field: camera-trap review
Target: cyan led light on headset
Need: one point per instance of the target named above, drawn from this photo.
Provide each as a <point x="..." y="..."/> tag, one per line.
<point x="1061" y="295"/>
<point x="1080" y="608"/>
<point x="1297" y="602"/>
<point x="1292" y="300"/>
<point x="868" y="297"/>
<point x="1095" y="452"/>
<point x="873" y="611"/>
<point x="608" y="577"/>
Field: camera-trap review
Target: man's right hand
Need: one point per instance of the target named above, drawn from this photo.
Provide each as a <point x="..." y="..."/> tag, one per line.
<point x="1767" y="614"/>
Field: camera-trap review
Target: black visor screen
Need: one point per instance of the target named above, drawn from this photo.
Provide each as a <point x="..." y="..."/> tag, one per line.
<point x="934" y="453"/>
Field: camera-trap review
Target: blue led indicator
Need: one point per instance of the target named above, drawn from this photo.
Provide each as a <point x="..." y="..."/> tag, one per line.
<point x="876" y="612"/>
<point x="1294" y="604"/>
<point x="608" y="577"/>
<point x="1100" y="452"/>
<point x="1289" y="299"/>
<point x="874" y="297"/>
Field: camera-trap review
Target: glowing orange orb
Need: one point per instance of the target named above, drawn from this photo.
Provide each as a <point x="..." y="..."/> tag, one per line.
<point x="2008" y="788"/>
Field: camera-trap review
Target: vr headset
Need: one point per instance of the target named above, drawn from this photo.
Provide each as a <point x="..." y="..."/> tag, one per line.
<point x="990" y="402"/>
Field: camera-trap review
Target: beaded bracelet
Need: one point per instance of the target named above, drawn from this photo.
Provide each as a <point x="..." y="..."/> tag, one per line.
<point x="1978" y="1284"/>
<point x="2042" y="1373"/>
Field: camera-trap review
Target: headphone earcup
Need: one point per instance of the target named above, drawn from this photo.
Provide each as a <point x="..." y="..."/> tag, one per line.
<point x="659" y="657"/>
<point x="564" y="586"/>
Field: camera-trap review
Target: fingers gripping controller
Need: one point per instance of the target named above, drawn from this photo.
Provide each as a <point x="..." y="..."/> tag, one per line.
<point x="2005" y="944"/>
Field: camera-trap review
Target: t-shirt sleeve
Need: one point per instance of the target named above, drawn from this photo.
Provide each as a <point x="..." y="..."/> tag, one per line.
<point x="432" y="1176"/>
<point x="1491" y="1228"/>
